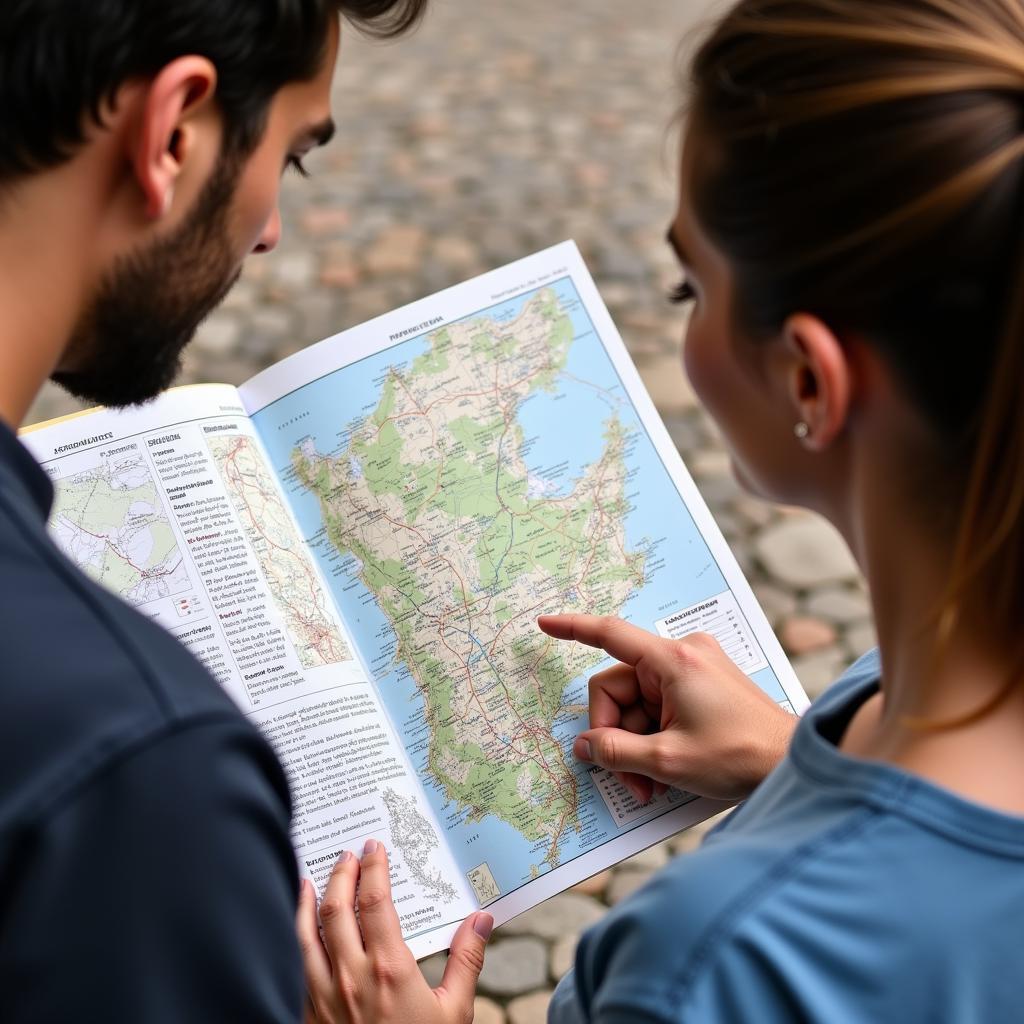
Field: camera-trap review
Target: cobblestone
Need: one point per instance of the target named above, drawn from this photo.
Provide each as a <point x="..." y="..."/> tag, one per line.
<point x="433" y="968"/>
<point x="805" y="552"/>
<point x="514" y="966"/>
<point x="861" y="638"/>
<point x="470" y="144"/>
<point x="777" y="602"/>
<point x="841" y="606"/>
<point x="562" y="955"/>
<point x="485" y="1011"/>
<point x="625" y="883"/>
<point x="218" y="335"/>
<point x="531" y="1009"/>
<point x="648" y="860"/>
<point x="816" y="671"/>
<point x="802" y="635"/>
<point x="566" y="914"/>
<point x="668" y="386"/>
<point x="594" y="886"/>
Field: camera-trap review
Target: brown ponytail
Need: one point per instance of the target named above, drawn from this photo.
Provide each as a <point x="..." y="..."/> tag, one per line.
<point x="863" y="160"/>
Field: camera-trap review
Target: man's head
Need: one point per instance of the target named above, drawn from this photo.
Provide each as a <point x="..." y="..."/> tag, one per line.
<point x="177" y="119"/>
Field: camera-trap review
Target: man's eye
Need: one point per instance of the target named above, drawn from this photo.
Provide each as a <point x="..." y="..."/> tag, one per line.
<point x="682" y="293"/>
<point x="296" y="164"/>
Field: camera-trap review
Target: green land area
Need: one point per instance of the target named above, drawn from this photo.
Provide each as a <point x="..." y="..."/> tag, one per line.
<point x="462" y="551"/>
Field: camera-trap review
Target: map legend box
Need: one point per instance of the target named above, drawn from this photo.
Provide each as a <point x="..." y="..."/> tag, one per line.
<point x="624" y="807"/>
<point x="186" y="607"/>
<point x="722" y="618"/>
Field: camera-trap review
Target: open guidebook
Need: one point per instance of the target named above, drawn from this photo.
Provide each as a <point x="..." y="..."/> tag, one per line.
<point x="357" y="543"/>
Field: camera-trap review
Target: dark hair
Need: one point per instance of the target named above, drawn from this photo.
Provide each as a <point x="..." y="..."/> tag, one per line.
<point x="60" y="60"/>
<point x="862" y="160"/>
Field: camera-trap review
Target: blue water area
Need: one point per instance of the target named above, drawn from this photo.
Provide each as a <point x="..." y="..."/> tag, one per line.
<point x="563" y="433"/>
<point x="544" y="416"/>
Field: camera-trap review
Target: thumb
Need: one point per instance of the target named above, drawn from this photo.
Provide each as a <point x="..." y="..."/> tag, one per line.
<point x="466" y="959"/>
<point x="617" y="750"/>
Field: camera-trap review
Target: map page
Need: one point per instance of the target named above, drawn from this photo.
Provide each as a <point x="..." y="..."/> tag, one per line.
<point x="458" y="468"/>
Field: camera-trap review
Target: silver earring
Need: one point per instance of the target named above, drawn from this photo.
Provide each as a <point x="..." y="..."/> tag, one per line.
<point x="802" y="431"/>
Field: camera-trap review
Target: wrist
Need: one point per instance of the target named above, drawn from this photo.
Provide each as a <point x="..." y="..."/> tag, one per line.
<point x="768" y="750"/>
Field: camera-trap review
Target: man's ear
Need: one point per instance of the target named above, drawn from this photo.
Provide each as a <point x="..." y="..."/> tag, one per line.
<point x="166" y="134"/>
<point x="820" y="379"/>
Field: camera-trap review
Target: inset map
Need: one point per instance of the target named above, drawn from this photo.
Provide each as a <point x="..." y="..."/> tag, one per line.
<point x="484" y="885"/>
<point x="416" y="839"/>
<point x="290" y="574"/>
<point x="111" y="522"/>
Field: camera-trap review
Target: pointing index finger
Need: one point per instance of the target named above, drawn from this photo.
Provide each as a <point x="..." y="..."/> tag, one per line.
<point x="620" y="639"/>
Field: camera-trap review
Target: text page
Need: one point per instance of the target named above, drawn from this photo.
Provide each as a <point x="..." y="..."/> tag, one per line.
<point x="174" y="509"/>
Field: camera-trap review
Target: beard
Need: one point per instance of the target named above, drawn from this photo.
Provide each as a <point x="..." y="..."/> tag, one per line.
<point x="150" y="305"/>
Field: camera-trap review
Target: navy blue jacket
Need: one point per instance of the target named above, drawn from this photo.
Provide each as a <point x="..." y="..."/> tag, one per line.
<point x="146" y="873"/>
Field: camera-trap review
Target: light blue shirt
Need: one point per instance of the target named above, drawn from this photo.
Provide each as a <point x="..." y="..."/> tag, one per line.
<point x="842" y="891"/>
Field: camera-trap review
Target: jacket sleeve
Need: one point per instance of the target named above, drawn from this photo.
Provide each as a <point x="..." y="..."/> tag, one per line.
<point x="163" y="889"/>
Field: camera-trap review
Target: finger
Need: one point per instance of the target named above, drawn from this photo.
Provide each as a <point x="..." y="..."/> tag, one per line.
<point x="382" y="932"/>
<point x="618" y="751"/>
<point x="635" y="719"/>
<point x="465" y="962"/>
<point x="639" y="785"/>
<point x="309" y="1013"/>
<point x="338" y="912"/>
<point x="610" y="691"/>
<point x="621" y="639"/>
<point x="315" y="963"/>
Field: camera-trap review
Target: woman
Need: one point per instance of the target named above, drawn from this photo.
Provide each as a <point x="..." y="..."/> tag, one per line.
<point x="851" y="228"/>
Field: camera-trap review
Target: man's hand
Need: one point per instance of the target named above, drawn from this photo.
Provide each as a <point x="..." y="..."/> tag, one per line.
<point x="674" y="712"/>
<point x="361" y="971"/>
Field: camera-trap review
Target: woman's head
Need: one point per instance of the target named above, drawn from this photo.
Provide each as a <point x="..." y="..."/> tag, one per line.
<point x="857" y="167"/>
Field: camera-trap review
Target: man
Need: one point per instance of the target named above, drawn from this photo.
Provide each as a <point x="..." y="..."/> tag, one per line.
<point x="145" y="869"/>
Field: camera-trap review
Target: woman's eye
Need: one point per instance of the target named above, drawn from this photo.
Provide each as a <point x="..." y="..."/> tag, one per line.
<point x="682" y="293"/>
<point x="296" y="164"/>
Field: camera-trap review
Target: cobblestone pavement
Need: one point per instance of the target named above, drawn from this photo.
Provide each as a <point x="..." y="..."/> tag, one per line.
<point x="481" y="139"/>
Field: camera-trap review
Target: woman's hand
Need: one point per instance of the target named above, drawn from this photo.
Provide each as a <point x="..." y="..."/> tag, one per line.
<point x="674" y="713"/>
<point x="362" y="972"/>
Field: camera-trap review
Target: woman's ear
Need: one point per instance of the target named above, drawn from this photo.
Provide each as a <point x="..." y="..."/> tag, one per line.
<point x="164" y="139"/>
<point x="820" y="380"/>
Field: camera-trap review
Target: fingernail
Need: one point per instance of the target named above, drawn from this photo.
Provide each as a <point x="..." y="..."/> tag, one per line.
<point x="483" y="926"/>
<point x="585" y="753"/>
<point x="344" y="856"/>
<point x="370" y="847"/>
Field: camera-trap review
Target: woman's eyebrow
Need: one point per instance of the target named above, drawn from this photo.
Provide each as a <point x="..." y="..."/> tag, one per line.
<point x="319" y="134"/>
<point x="676" y="247"/>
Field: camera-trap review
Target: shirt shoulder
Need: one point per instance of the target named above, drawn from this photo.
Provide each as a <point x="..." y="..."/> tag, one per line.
<point x="653" y="951"/>
<point x="165" y="888"/>
<point x="825" y="897"/>
<point x="853" y="921"/>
